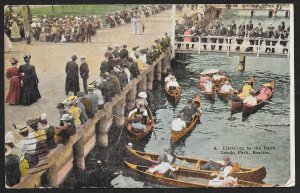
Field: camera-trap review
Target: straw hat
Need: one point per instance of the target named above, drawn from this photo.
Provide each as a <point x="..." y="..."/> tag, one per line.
<point x="66" y="117"/>
<point x="142" y="95"/>
<point x="9" y="137"/>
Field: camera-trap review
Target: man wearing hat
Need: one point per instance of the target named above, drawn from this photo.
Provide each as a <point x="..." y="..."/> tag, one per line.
<point x="72" y="79"/>
<point x="115" y="82"/>
<point x="14" y="93"/>
<point x="249" y="27"/>
<point x="30" y="92"/>
<point x="141" y="66"/>
<point x="134" y="52"/>
<point x="217" y="165"/>
<point x="94" y="89"/>
<point x="84" y="72"/>
<point x="93" y="98"/>
<point x="188" y="111"/>
<point x="133" y="68"/>
<point x="141" y="100"/>
<point x="62" y="133"/>
<point x="12" y="161"/>
<point x="122" y="77"/>
<point x="28" y="145"/>
<point x="124" y="52"/>
<point x="105" y="67"/>
<point x="106" y="87"/>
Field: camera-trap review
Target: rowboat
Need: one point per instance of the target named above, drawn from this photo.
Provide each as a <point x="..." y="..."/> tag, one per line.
<point x="247" y="109"/>
<point x="193" y="164"/>
<point x="149" y="126"/>
<point x="208" y="95"/>
<point x="177" y="135"/>
<point x="174" y="95"/>
<point x="183" y="178"/>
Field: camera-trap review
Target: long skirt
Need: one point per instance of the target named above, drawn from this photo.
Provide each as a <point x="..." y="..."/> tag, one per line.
<point x="140" y="29"/>
<point x="14" y="93"/>
<point x="7" y="43"/>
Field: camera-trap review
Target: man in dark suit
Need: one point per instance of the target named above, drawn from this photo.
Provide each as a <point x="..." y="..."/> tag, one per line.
<point x="124" y="52"/>
<point x="84" y="73"/>
<point x="72" y="80"/>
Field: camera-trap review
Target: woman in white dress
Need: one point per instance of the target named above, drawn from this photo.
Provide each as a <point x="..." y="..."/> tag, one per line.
<point x="15" y="32"/>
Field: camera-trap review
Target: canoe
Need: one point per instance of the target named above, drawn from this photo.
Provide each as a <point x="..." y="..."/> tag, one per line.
<point x="174" y="95"/>
<point x="140" y="135"/>
<point x="177" y="135"/>
<point x="184" y="178"/>
<point x="247" y="109"/>
<point x="236" y="106"/>
<point x="144" y="158"/>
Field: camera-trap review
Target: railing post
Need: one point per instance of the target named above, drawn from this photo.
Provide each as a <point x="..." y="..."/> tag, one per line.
<point x="199" y="45"/>
<point x="228" y="43"/>
<point x="258" y="48"/>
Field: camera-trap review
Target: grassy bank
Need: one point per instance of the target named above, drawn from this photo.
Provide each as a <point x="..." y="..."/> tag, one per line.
<point x="58" y="10"/>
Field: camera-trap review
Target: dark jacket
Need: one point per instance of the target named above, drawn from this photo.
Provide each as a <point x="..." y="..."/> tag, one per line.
<point x="123" y="53"/>
<point x="72" y="80"/>
<point x="12" y="171"/>
<point x="84" y="70"/>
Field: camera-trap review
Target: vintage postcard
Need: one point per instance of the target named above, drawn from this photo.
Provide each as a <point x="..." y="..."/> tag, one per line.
<point x="149" y="95"/>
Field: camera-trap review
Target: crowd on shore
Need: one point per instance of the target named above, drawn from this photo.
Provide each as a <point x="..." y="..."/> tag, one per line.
<point x="73" y="28"/>
<point x="38" y="136"/>
<point x="209" y="25"/>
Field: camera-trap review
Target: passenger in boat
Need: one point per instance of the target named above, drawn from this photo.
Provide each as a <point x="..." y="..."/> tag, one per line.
<point x="217" y="165"/>
<point x="167" y="79"/>
<point x="226" y="88"/>
<point x="173" y="84"/>
<point x="208" y="86"/>
<point x="188" y="111"/>
<point x="178" y="124"/>
<point x="142" y="99"/>
<point x="197" y="106"/>
<point x="250" y="100"/>
<point x="218" y="77"/>
<point x="264" y="92"/>
<point x="223" y="180"/>
<point x="246" y="90"/>
<point x="163" y="168"/>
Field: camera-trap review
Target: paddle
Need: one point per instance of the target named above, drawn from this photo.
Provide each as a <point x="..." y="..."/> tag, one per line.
<point x="270" y="102"/>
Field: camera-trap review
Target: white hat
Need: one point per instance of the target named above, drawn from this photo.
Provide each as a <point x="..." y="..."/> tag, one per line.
<point x="142" y="95"/>
<point x="83" y="56"/>
<point x="22" y="128"/>
<point x="66" y="117"/>
<point x="43" y="116"/>
<point x="9" y="137"/>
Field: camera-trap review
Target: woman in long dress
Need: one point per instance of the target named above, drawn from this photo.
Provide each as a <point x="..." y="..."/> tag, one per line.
<point x="14" y="93"/>
<point x="139" y="26"/>
<point x="15" y="32"/>
<point x="134" y="25"/>
<point x="7" y="43"/>
<point x="30" y="92"/>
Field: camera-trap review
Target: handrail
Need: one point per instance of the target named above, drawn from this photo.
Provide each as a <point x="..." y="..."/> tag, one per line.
<point x="228" y="43"/>
<point x="234" y="37"/>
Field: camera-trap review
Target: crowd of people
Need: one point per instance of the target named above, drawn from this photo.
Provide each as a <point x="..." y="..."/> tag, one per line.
<point x="209" y="25"/>
<point x="117" y="69"/>
<point x="77" y="29"/>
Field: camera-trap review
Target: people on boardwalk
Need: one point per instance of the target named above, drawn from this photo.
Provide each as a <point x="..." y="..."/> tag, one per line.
<point x="13" y="75"/>
<point x="12" y="163"/>
<point x="29" y="81"/>
<point x="7" y="43"/>
<point x="84" y="73"/>
<point x="73" y="110"/>
<point x="49" y="129"/>
<point x="72" y="79"/>
<point x="63" y="133"/>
